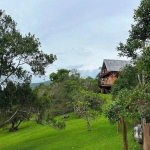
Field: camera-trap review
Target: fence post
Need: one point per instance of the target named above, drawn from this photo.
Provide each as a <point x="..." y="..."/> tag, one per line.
<point x="146" y="135"/>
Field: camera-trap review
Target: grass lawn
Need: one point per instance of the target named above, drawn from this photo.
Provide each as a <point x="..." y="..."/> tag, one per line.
<point x="32" y="136"/>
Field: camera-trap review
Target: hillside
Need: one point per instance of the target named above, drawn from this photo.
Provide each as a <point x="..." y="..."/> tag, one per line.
<point x="32" y="136"/>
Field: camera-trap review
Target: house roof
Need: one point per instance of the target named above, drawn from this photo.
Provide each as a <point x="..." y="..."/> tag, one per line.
<point x="114" y="65"/>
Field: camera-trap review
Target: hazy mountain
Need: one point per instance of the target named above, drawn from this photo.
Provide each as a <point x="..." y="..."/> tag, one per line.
<point x="33" y="85"/>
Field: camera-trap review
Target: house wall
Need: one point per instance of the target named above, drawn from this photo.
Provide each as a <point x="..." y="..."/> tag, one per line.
<point x="104" y="70"/>
<point x="109" y="80"/>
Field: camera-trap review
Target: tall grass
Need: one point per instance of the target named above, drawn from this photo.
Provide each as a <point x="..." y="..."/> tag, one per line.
<point x="32" y="136"/>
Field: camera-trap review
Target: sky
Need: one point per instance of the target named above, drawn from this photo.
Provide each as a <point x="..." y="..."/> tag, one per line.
<point x="81" y="33"/>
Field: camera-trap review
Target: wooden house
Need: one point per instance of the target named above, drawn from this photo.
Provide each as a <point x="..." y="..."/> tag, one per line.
<point x="109" y="73"/>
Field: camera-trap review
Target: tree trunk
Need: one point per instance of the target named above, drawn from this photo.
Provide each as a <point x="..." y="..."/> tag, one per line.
<point x="117" y="124"/>
<point x="87" y="121"/>
<point x="9" y="120"/>
<point x="13" y="127"/>
<point x="18" y="124"/>
<point x="124" y="133"/>
<point x="12" y="124"/>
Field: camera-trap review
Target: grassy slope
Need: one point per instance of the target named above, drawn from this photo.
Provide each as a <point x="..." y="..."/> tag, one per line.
<point x="32" y="136"/>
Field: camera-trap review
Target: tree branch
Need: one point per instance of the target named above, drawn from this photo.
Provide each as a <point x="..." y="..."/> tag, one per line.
<point x="7" y="121"/>
<point x="139" y="79"/>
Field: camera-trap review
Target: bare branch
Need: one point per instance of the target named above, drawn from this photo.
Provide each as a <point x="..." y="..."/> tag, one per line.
<point x="139" y="79"/>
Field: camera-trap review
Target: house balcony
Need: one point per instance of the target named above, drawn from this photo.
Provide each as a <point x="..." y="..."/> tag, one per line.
<point x="107" y="82"/>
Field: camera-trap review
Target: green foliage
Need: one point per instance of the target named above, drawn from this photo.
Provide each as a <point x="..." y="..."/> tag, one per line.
<point x="43" y="102"/>
<point x="118" y="108"/>
<point x="17" y="51"/>
<point x="106" y="97"/>
<point x="137" y="47"/>
<point x="90" y="84"/>
<point x="139" y="34"/>
<point x="133" y="103"/>
<point x="65" y="84"/>
<point x="98" y="79"/>
<point x="61" y="75"/>
<point x="55" y="124"/>
<point x="140" y="101"/>
<point x="87" y="104"/>
<point x="61" y="93"/>
<point x="128" y="78"/>
<point x="16" y="104"/>
<point x="18" y="101"/>
<point x="144" y="64"/>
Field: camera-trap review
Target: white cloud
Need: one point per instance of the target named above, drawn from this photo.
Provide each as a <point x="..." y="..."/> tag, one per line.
<point x="81" y="33"/>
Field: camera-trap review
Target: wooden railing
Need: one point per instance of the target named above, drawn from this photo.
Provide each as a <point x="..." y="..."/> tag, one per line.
<point x="107" y="82"/>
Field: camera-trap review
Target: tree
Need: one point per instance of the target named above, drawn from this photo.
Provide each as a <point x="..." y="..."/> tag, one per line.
<point x="129" y="103"/>
<point x="61" y="93"/>
<point x="139" y="34"/>
<point x="128" y="78"/>
<point x="90" y="84"/>
<point x="61" y="75"/>
<point x="43" y="103"/>
<point x="143" y="66"/>
<point x="17" y="51"/>
<point x="66" y="91"/>
<point x="87" y="105"/>
<point x="137" y="45"/>
<point x="17" y="104"/>
<point x="43" y="108"/>
<point x="137" y="48"/>
<point x="118" y="110"/>
<point x="65" y="84"/>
